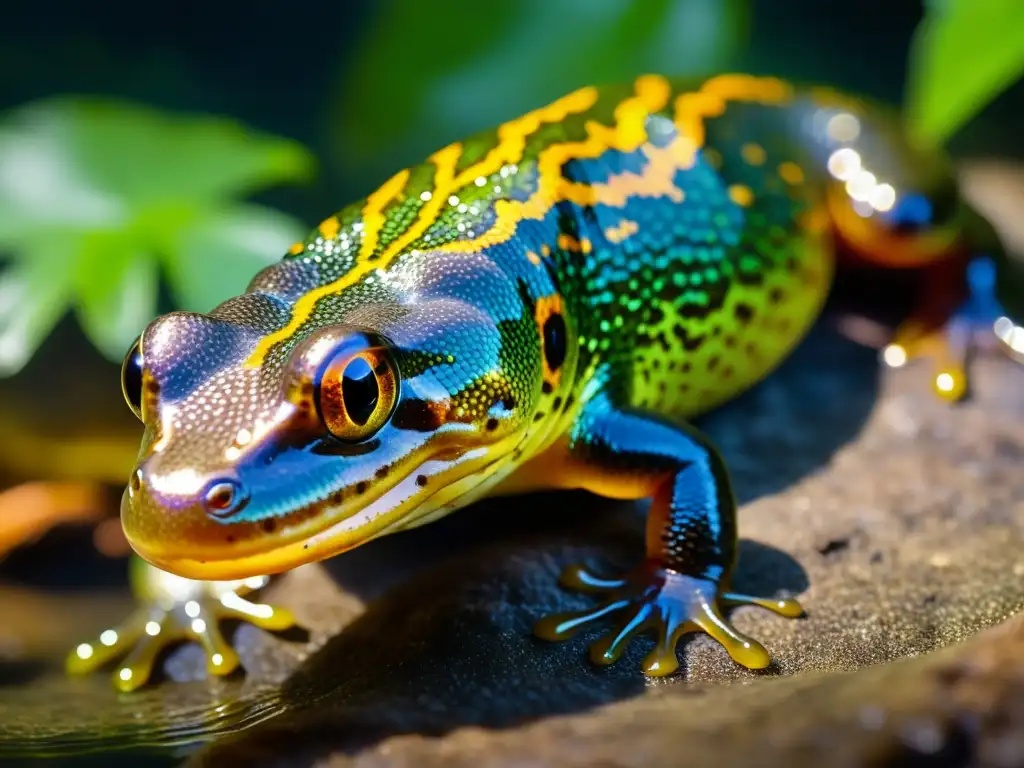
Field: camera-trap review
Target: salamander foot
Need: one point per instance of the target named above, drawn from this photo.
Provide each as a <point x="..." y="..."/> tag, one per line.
<point x="174" y="610"/>
<point x="654" y="598"/>
<point x="978" y="323"/>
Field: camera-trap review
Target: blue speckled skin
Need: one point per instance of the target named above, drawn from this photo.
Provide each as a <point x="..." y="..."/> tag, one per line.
<point x="541" y="306"/>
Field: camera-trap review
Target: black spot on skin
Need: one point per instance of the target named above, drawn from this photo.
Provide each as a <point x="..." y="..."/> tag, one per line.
<point x="336" y="497"/>
<point x="509" y="403"/>
<point x="690" y="343"/>
<point x="744" y="313"/>
<point x="776" y="295"/>
<point x="305" y="546"/>
<point x="538" y="416"/>
<point x="569" y="401"/>
<point x="730" y="342"/>
<point x="361" y="486"/>
<point x="727" y="372"/>
<point x="547" y="388"/>
<point x="421" y="480"/>
<point x="269" y="525"/>
<point x="492" y="424"/>
<point x="555" y="341"/>
<point x="382" y="472"/>
<point x="556" y="404"/>
<point x="833" y="546"/>
<point x="416" y="416"/>
<point x="662" y="387"/>
<point x="686" y="367"/>
<point x="713" y="363"/>
<point x="229" y="539"/>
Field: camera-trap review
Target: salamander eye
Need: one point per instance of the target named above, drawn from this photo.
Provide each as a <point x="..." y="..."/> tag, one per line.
<point x="356" y="394"/>
<point x="131" y="378"/>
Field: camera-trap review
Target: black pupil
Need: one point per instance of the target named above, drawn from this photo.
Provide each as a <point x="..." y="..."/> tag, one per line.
<point x="360" y="390"/>
<point x="131" y="378"/>
<point x="554" y="341"/>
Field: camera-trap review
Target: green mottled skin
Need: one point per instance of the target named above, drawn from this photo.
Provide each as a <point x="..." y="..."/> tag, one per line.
<point x="541" y="306"/>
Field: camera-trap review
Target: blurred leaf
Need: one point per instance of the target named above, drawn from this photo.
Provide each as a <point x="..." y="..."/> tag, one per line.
<point x="965" y="53"/>
<point x="116" y="291"/>
<point x="97" y="194"/>
<point x="245" y="238"/>
<point x="33" y="296"/>
<point x="382" y="97"/>
<point x="426" y="77"/>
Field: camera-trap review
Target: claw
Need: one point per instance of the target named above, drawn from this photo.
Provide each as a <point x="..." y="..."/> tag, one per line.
<point x="582" y="579"/>
<point x="562" y="626"/>
<point x="608" y="649"/>
<point x="173" y="610"/>
<point x="674" y="604"/>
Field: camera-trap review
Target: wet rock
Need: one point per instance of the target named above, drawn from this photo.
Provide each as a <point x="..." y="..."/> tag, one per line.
<point x="898" y="520"/>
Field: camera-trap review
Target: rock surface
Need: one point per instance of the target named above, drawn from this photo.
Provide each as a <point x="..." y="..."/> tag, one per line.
<point x="898" y="520"/>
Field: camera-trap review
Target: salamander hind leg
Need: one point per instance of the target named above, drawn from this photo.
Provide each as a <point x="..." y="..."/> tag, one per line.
<point x="949" y="333"/>
<point x="682" y="585"/>
<point x="174" y="610"/>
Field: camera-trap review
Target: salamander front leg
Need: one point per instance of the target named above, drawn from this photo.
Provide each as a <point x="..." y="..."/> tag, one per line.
<point x="682" y="585"/>
<point x="174" y="610"/>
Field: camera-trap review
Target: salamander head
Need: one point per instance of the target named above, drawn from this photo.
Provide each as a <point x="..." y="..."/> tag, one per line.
<point x="257" y="461"/>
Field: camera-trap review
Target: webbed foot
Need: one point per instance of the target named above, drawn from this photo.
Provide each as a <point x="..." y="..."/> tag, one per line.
<point x="980" y="322"/>
<point x="668" y="602"/>
<point x="174" y="610"/>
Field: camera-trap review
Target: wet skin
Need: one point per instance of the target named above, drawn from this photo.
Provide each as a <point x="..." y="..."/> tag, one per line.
<point x="545" y="306"/>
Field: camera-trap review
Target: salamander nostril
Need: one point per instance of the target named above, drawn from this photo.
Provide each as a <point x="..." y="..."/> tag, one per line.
<point x="224" y="498"/>
<point x="135" y="481"/>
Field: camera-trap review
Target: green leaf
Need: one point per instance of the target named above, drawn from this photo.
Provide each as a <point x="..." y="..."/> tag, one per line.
<point x="97" y="193"/>
<point x="116" y="289"/>
<point x="964" y="54"/>
<point x="218" y="254"/>
<point x="420" y="85"/>
<point x="34" y="296"/>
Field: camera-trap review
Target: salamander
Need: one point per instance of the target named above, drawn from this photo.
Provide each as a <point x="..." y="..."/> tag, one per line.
<point x="546" y="305"/>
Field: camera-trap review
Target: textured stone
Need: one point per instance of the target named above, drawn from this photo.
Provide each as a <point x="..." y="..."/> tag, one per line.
<point x="897" y="519"/>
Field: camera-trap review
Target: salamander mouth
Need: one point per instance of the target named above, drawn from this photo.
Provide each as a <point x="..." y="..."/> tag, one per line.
<point x="433" y="488"/>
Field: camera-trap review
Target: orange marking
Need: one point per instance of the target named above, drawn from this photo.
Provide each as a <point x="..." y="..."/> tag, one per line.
<point x="533" y="258"/>
<point x="511" y="144"/>
<point x="373" y="213"/>
<point x="791" y="173"/>
<point x="623" y="230"/>
<point x="329" y="228"/>
<point x="557" y="468"/>
<point x="296" y="249"/>
<point x="692" y="109"/>
<point x="652" y="94"/>
<point x="741" y="194"/>
<point x="568" y="243"/>
<point x="545" y="250"/>
<point x="546" y="307"/>
<point x="754" y="154"/>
